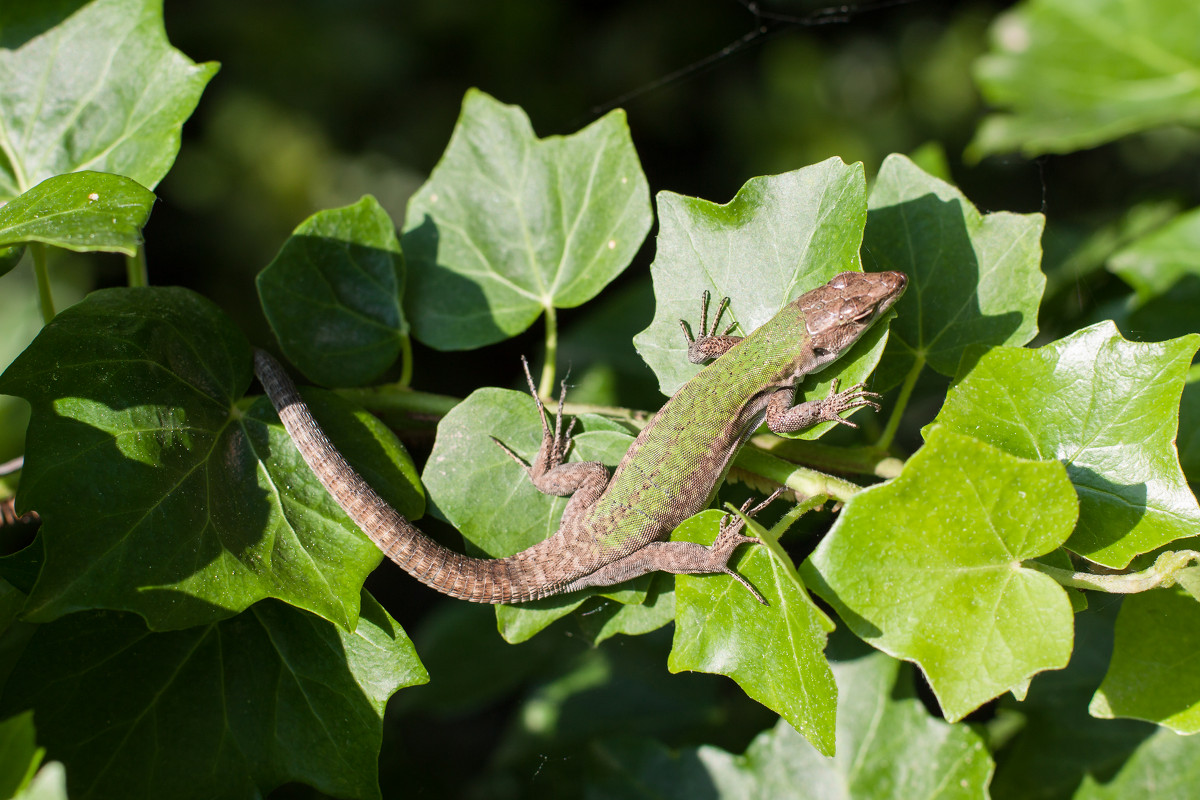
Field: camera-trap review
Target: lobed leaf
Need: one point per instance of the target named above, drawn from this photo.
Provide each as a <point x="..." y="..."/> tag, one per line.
<point x="102" y="90"/>
<point x="779" y="237"/>
<point x="721" y="628"/>
<point x="1073" y="74"/>
<point x="974" y="278"/>
<point x="82" y="211"/>
<point x="888" y="747"/>
<point x="1105" y="407"/>
<point x="942" y="584"/>
<point x="229" y="709"/>
<point x="332" y="295"/>
<point x="1153" y="674"/>
<point x="189" y="505"/>
<point x="509" y="226"/>
<point x="489" y="499"/>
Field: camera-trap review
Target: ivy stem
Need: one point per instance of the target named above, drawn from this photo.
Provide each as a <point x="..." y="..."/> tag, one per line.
<point x="406" y="361"/>
<point x="43" y="280"/>
<point x="135" y="269"/>
<point x="1163" y="573"/>
<point x="546" y="383"/>
<point x="906" y="390"/>
<point x="751" y="462"/>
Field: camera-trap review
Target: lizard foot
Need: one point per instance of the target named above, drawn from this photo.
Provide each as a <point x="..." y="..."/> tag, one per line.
<point x="730" y="536"/>
<point x="837" y="402"/>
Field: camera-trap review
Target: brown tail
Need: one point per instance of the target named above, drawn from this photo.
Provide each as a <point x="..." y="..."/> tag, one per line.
<point x="475" y="579"/>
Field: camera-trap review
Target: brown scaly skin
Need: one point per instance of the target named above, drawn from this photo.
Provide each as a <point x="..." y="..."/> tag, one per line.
<point x="613" y="529"/>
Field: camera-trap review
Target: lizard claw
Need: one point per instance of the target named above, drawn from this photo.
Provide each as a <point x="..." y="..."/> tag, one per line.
<point x="855" y="397"/>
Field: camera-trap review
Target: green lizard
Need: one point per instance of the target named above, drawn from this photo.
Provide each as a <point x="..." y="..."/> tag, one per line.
<point x="613" y="528"/>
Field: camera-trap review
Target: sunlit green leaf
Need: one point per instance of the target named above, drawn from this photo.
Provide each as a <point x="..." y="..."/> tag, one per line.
<point x="509" y="226"/>
<point x="103" y="90"/>
<point x="229" y="709"/>
<point x="1155" y="669"/>
<point x="1153" y="263"/>
<point x="189" y="504"/>
<point x="1072" y="74"/>
<point x="975" y="278"/>
<point x="1106" y="408"/>
<point x="928" y="568"/>
<point x="779" y="237"/>
<point x="332" y="295"/>
<point x="82" y="211"/>
<point x="721" y="627"/>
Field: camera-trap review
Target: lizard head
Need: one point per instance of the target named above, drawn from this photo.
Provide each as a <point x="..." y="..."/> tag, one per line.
<point x="837" y="314"/>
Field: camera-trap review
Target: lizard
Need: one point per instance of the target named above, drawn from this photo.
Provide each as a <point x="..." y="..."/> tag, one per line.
<point x="614" y="528"/>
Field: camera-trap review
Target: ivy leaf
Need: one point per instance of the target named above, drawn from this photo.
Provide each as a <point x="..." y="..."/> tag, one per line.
<point x="272" y="695"/>
<point x="1077" y="73"/>
<point x="489" y="499"/>
<point x="974" y="278"/>
<point x="82" y="211"/>
<point x="942" y="583"/>
<point x="1153" y="263"/>
<point x="779" y="237"/>
<point x="22" y="756"/>
<point x="1073" y="74"/>
<point x="1153" y="674"/>
<point x="1107" y="408"/>
<point x="103" y="90"/>
<point x="721" y="628"/>
<point x="1166" y="767"/>
<point x="332" y="295"/>
<point x="509" y="226"/>
<point x="1059" y="742"/>
<point x="888" y="747"/>
<point x="189" y="505"/>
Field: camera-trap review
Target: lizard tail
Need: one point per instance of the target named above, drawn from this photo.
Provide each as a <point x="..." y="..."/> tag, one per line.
<point x="478" y="580"/>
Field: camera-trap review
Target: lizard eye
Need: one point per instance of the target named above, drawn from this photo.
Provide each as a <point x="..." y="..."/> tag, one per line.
<point x="819" y="351"/>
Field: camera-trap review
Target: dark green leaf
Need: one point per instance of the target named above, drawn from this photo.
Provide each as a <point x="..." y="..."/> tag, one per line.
<point x="1073" y="74"/>
<point x="224" y="710"/>
<point x="509" y="226"/>
<point x="10" y="257"/>
<point x="1166" y="767"/>
<point x="1155" y="669"/>
<point x="720" y="627"/>
<point x="1060" y="742"/>
<point x="928" y="568"/>
<point x="1106" y="408"/>
<point x="779" y="237"/>
<point x="21" y="755"/>
<point x="82" y="211"/>
<point x="332" y="295"/>
<point x="975" y="278"/>
<point x="103" y="90"/>
<point x="185" y="506"/>
<point x="888" y="747"/>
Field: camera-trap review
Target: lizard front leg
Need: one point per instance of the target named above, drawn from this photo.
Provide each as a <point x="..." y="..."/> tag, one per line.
<point x="585" y="481"/>
<point x="783" y="417"/>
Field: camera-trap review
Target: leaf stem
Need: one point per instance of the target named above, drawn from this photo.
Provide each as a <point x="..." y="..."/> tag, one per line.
<point x="546" y="383"/>
<point x="1163" y="573"/>
<point x="866" y="460"/>
<point x="135" y="269"/>
<point x="906" y="390"/>
<point x="406" y="361"/>
<point x="45" y="297"/>
<point x="805" y="482"/>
